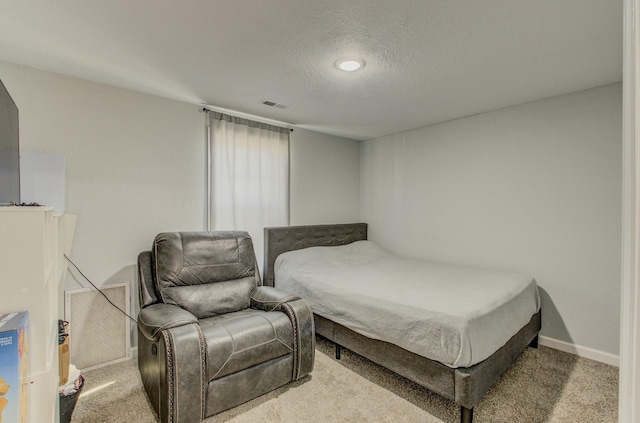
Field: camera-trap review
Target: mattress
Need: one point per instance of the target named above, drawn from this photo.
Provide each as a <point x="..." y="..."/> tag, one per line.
<point x="456" y="315"/>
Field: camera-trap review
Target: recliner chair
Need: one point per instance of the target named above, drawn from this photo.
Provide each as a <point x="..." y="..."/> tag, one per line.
<point x="210" y="336"/>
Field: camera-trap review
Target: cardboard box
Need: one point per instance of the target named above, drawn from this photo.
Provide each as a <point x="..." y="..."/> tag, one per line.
<point x="14" y="382"/>
<point x="63" y="361"/>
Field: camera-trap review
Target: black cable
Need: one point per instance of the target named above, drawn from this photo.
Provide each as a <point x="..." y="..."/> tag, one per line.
<point x="98" y="289"/>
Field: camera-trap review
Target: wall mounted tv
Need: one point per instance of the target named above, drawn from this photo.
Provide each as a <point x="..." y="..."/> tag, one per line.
<point x="9" y="150"/>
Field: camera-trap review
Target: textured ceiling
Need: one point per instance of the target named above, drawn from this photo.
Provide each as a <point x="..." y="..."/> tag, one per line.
<point x="427" y="61"/>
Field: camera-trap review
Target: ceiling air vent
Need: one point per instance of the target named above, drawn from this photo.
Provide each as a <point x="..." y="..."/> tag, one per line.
<point x="273" y="104"/>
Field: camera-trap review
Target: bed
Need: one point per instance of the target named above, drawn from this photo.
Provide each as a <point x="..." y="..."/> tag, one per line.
<point x="462" y="371"/>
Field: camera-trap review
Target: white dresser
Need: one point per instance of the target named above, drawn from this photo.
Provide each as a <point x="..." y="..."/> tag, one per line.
<point x="32" y="271"/>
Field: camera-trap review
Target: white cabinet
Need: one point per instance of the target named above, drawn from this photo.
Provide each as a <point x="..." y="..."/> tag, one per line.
<point x="32" y="268"/>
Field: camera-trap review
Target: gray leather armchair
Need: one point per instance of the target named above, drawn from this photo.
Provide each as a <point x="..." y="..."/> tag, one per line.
<point x="210" y="336"/>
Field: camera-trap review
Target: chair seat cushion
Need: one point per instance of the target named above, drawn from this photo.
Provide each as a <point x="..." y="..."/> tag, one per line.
<point x="236" y="341"/>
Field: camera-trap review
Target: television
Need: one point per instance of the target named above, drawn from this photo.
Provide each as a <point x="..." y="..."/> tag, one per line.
<point x="9" y="150"/>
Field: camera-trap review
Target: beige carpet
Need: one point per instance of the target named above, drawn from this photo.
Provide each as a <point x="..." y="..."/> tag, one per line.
<point x="544" y="385"/>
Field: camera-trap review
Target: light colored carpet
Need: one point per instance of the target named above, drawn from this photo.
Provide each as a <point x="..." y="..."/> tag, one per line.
<point x="543" y="385"/>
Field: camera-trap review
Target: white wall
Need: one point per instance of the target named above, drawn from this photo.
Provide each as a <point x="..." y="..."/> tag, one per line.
<point x="535" y="188"/>
<point x="325" y="179"/>
<point x="135" y="166"/>
<point x="134" y="163"/>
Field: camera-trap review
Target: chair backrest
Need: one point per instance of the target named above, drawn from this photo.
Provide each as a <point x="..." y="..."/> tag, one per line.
<point x="206" y="273"/>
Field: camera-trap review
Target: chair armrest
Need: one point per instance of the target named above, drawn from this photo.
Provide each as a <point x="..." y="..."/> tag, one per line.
<point x="158" y="317"/>
<point x="270" y="299"/>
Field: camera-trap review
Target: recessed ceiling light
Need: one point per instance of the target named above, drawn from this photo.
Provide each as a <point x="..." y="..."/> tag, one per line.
<point x="350" y="64"/>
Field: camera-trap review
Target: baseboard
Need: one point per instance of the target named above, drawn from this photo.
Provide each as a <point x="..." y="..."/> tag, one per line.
<point x="580" y="351"/>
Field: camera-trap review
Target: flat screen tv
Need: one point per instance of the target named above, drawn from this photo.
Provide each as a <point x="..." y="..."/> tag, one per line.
<point x="9" y="150"/>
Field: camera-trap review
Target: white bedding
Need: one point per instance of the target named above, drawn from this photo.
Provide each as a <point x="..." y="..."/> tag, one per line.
<point x="456" y="315"/>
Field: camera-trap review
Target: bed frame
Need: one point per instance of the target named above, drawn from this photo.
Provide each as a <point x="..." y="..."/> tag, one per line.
<point x="465" y="386"/>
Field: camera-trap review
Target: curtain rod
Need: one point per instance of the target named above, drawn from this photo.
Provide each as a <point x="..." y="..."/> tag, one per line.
<point x="233" y="113"/>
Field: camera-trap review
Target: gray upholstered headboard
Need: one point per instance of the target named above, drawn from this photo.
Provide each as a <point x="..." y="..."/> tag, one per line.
<point x="289" y="238"/>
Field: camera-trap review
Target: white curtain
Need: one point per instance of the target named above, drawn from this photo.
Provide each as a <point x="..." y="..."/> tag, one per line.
<point x="249" y="178"/>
